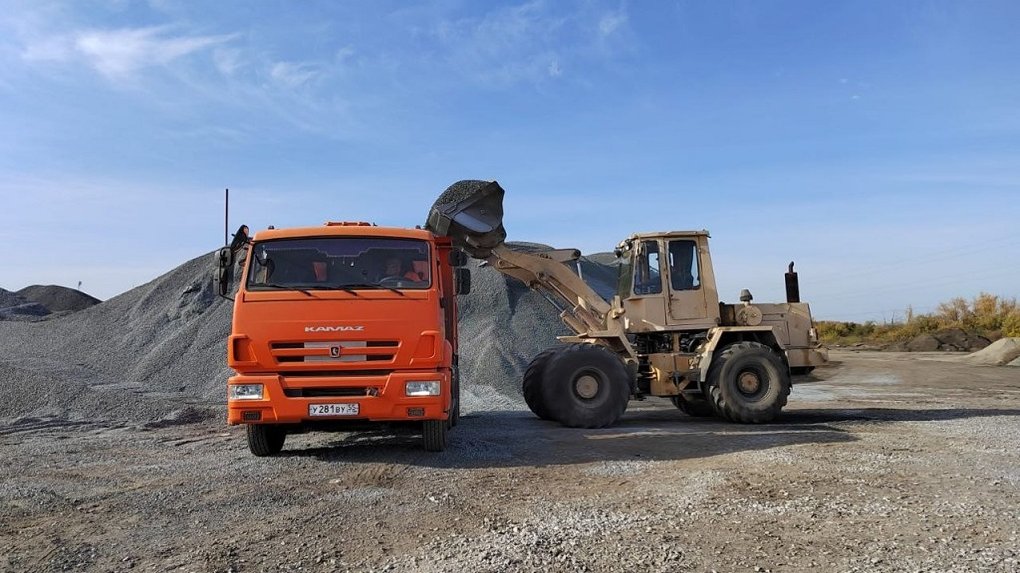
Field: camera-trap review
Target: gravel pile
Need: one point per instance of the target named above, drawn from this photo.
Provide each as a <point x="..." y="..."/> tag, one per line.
<point x="13" y="306"/>
<point x="156" y="354"/>
<point x="58" y="298"/>
<point x="145" y="355"/>
<point x="998" y="353"/>
<point x="950" y="340"/>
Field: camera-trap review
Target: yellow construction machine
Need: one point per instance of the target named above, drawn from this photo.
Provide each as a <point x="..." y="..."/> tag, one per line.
<point x="665" y="333"/>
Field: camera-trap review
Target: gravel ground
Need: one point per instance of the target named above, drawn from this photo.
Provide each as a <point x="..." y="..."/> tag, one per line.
<point x="879" y="464"/>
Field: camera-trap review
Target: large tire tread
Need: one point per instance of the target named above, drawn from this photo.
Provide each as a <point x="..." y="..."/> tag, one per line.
<point x="694" y="407"/>
<point x="726" y="402"/>
<point x="434" y="435"/>
<point x="565" y="406"/>
<point x="532" y="384"/>
<point x="265" y="439"/>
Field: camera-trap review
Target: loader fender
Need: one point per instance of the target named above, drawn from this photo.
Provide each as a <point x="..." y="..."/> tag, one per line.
<point x="723" y="336"/>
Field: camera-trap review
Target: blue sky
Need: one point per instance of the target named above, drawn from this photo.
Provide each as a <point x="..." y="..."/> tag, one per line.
<point x="877" y="144"/>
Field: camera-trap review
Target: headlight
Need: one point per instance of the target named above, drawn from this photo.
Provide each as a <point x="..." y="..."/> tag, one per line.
<point x="430" y="388"/>
<point x="245" y="392"/>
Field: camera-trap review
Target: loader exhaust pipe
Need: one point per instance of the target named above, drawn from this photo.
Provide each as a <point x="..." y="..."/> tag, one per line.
<point x="792" y="285"/>
<point x="471" y="213"/>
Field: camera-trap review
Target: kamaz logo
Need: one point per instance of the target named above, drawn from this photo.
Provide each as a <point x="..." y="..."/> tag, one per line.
<point x="334" y="328"/>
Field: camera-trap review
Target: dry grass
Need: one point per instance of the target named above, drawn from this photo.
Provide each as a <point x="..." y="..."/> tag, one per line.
<point x="988" y="315"/>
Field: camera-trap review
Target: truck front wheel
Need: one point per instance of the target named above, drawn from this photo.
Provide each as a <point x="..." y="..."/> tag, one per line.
<point x="585" y="386"/>
<point x="434" y="435"/>
<point x="748" y="383"/>
<point x="266" y="439"/>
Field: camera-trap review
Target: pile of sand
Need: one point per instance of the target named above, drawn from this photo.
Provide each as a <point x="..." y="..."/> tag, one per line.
<point x="1005" y="351"/>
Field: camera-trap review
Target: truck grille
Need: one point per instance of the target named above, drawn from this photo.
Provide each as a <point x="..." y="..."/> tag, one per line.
<point x="327" y="392"/>
<point x="335" y="351"/>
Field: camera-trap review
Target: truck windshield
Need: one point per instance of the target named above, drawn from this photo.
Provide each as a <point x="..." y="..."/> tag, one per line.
<point x="339" y="263"/>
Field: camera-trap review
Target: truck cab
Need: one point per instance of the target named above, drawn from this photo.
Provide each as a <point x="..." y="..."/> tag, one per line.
<point x="341" y="327"/>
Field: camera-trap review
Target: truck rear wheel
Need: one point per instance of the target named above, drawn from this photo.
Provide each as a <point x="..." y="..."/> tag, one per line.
<point x="455" y="396"/>
<point x="748" y="383"/>
<point x="265" y="439"/>
<point x="434" y="435"/>
<point x="695" y="407"/>
<point x="532" y="385"/>
<point x="585" y="386"/>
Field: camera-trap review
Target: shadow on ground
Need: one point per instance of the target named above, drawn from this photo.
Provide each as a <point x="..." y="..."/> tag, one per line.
<point x="509" y="439"/>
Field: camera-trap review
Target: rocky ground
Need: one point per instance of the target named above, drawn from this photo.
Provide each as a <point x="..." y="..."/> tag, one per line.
<point x="883" y="462"/>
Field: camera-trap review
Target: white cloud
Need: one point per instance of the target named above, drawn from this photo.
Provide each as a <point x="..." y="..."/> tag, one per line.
<point x="119" y="53"/>
<point x="227" y="60"/>
<point x="611" y="22"/>
<point x="554" y="69"/>
<point x="294" y="74"/>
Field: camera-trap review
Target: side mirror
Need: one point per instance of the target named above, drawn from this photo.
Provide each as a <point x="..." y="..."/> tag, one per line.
<point x="224" y="274"/>
<point x="463" y="281"/>
<point x="458" y="258"/>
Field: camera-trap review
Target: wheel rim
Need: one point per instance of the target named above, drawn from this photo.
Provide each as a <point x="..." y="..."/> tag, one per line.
<point x="749" y="383"/>
<point x="586" y="386"/>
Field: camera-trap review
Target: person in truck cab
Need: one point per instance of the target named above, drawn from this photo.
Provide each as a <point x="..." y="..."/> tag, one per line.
<point x="395" y="268"/>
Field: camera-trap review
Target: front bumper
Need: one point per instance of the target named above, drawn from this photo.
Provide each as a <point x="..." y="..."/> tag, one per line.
<point x="379" y="398"/>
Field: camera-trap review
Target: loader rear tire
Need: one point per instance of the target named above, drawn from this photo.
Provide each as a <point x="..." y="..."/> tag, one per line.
<point x="694" y="407"/>
<point x="533" y="382"/>
<point x="266" y="439"/>
<point x="585" y="386"/>
<point x="748" y="383"/>
<point x="433" y="435"/>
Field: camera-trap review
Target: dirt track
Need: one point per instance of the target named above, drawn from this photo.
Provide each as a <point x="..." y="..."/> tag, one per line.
<point x="883" y="462"/>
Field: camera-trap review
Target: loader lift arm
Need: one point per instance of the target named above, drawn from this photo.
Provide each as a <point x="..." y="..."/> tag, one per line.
<point x="581" y="308"/>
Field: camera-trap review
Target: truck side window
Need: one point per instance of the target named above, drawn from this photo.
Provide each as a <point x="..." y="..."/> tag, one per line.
<point x="647" y="278"/>
<point x="683" y="265"/>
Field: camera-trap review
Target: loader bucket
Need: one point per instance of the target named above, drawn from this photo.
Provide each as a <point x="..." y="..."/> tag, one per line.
<point x="471" y="213"/>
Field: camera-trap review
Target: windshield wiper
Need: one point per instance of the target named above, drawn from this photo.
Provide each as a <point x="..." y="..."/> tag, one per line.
<point x="285" y="287"/>
<point x="374" y="286"/>
<point x="344" y="288"/>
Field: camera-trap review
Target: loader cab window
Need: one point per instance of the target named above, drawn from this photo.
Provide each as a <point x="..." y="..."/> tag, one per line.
<point x="683" y="265"/>
<point x="647" y="274"/>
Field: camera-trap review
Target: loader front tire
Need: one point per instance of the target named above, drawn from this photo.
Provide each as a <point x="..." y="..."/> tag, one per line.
<point x="533" y="382"/>
<point x="748" y="383"/>
<point x="585" y="386"/>
<point x="266" y="439"/>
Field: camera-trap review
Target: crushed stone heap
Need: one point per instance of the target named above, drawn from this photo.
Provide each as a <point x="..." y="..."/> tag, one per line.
<point x="157" y="354"/>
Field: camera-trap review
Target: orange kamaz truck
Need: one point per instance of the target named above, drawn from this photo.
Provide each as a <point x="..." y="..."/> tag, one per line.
<point x="342" y="327"/>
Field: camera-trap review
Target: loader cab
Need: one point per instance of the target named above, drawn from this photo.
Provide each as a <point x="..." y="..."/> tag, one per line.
<point x="666" y="281"/>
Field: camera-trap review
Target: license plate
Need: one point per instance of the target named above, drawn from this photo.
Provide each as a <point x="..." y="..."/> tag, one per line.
<point x="334" y="409"/>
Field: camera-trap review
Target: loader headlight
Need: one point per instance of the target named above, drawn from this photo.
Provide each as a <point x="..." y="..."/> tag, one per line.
<point x="245" y="392"/>
<point x="429" y="388"/>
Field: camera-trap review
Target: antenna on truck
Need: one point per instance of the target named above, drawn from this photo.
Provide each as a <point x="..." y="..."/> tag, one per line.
<point x="226" y="215"/>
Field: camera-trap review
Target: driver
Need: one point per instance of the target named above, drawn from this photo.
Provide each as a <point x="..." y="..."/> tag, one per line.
<point x="394" y="268"/>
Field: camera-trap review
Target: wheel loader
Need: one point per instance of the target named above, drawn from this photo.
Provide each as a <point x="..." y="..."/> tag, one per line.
<point x="665" y="333"/>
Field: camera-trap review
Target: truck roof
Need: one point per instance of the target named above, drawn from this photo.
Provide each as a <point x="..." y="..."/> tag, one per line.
<point x="343" y="230"/>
